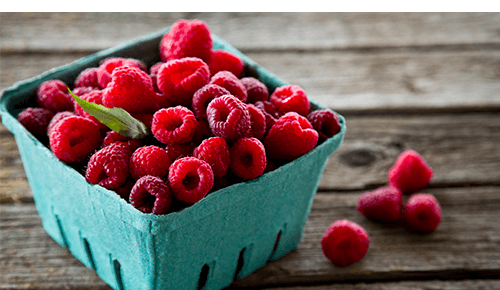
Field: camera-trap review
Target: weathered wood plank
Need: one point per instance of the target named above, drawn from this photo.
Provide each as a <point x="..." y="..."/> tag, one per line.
<point x="466" y="245"/>
<point x="252" y="31"/>
<point x="461" y="148"/>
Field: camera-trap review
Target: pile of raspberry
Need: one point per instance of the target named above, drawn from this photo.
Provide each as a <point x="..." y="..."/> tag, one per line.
<point x="210" y="124"/>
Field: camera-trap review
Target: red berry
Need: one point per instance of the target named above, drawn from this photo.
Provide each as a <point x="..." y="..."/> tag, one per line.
<point x="178" y="150"/>
<point x="54" y="95"/>
<point x="74" y="138"/>
<point x="290" y="137"/>
<point x="224" y="60"/>
<point x="149" y="160"/>
<point x="190" y="179"/>
<point x="269" y="111"/>
<point x="215" y="152"/>
<point x="179" y="79"/>
<point x="383" y="204"/>
<point x="151" y="194"/>
<point x="256" y="90"/>
<point x="228" y="118"/>
<point x="36" y="121"/>
<point x="108" y="167"/>
<point x="231" y="83"/>
<point x="258" y="121"/>
<point x="87" y="78"/>
<point x="204" y="96"/>
<point x="422" y="213"/>
<point x="325" y="122"/>
<point x="174" y="125"/>
<point x="290" y="98"/>
<point x="130" y="89"/>
<point x="248" y="158"/>
<point x="153" y="73"/>
<point x="105" y="69"/>
<point x="187" y="38"/>
<point x="80" y="91"/>
<point x="410" y="173"/>
<point x="345" y="243"/>
<point x="58" y="117"/>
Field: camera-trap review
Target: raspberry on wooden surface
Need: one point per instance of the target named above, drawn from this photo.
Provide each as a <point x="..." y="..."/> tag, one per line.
<point x="383" y="204"/>
<point x="345" y="243"/>
<point x="190" y="179"/>
<point x="54" y="95"/>
<point x="422" y="213"/>
<point x="410" y="173"/>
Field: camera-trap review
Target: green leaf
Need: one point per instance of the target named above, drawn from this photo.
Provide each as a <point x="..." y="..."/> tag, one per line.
<point x="117" y="119"/>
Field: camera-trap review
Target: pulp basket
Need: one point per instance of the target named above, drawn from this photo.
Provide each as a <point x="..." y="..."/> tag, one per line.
<point x="226" y="236"/>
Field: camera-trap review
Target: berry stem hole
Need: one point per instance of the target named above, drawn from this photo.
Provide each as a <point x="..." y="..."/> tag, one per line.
<point x="190" y="181"/>
<point x="246" y="159"/>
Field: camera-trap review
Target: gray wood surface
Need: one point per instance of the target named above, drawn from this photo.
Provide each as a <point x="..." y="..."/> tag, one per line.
<point x="425" y="81"/>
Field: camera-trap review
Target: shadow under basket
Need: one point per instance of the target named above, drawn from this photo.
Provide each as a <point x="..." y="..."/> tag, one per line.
<point x="226" y="236"/>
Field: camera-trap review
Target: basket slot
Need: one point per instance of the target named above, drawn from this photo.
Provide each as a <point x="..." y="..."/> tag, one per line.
<point x="63" y="234"/>
<point x="117" y="270"/>
<point x="275" y="246"/>
<point x="241" y="262"/>
<point x="86" y="247"/>
<point x="205" y="270"/>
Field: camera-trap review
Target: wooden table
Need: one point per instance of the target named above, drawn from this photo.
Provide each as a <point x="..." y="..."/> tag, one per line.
<point x="429" y="82"/>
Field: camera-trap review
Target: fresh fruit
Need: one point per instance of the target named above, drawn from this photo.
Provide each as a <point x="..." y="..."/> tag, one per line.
<point x="174" y="125"/>
<point x="230" y="82"/>
<point x="256" y="90"/>
<point x="325" y="122"/>
<point x="215" y="152"/>
<point x="190" y="179"/>
<point x="290" y="98"/>
<point x="36" y="121"/>
<point x="345" y="243"/>
<point x="224" y="60"/>
<point x="54" y="95"/>
<point x="151" y="194"/>
<point x="248" y="158"/>
<point x="149" y="160"/>
<point x="410" y="173"/>
<point x="422" y="213"/>
<point x="228" y="118"/>
<point x="382" y="204"/>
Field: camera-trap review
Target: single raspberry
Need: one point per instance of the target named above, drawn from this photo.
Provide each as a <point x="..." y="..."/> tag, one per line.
<point x="179" y="79"/>
<point x="174" y="125"/>
<point x="290" y="98"/>
<point x="325" y="122"/>
<point x="113" y="136"/>
<point x="87" y="78"/>
<point x="149" y="160"/>
<point x="256" y="90"/>
<point x="290" y="137"/>
<point x="106" y="67"/>
<point x="422" y="213"/>
<point x="190" y="179"/>
<point x="72" y="139"/>
<point x="410" y="173"/>
<point x="204" y="96"/>
<point x="382" y="204"/>
<point x="187" y="38"/>
<point x="93" y="97"/>
<point x="130" y="88"/>
<point x="108" y="167"/>
<point x="248" y="158"/>
<point x="231" y="83"/>
<point x="258" y="121"/>
<point x="269" y="111"/>
<point x="58" y="117"/>
<point x="153" y="73"/>
<point x="215" y="152"/>
<point x="54" y="95"/>
<point x="228" y="118"/>
<point x="224" y="60"/>
<point x="151" y="194"/>
<point x="345" y="243"/>
<point x="178" y="150"/>
<point x="36" y="121"/>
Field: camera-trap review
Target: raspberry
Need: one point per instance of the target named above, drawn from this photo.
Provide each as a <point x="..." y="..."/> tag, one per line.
<point x="190" y="179"/>
<point x="269" y="111"/>
<point x="130" y="88"/>
<point x="179" y="79"/>
<point x="410" y="173"/>
<point x="383" y="204"/>
<point x="112" y="137"/>
<point x="36" y="121"/>
<point x="290" y="98"/>
<point x="248" y="158"/>
<point x="231" y="83"/>
<point x="54" y="95"/>
<point x="422" y="213"/>
<point x="178" y="150"/>
<point x="258" y="121"/>
<point x="228" y="118"/>
<point x="93" y="97"/>
<point x="151" y="194"/>
<point x="325" y="122"/>
<point x="149" y="160"/>
<point x="204" y="96"/>
<point x="108" y="167"/>
<point x="345" y="243"/>
<point x="174" y="125"/>
<point x="58" y="117"/>
<point x="153" y="73"/>
<point x="215" y="152"/>
<point x="80" y="91"/>
<point x="87" y="78"/>
<point x="105" y="69"/>
<point x="290" y="137"/>
<point x="256" y="90"/>
<point x="187" y="38"/>
<point x="224" y="60"/>
<point x="72" y="139"/>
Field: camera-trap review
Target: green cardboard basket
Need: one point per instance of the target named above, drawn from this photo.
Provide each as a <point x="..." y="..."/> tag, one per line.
<point x="226" y="236"/>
